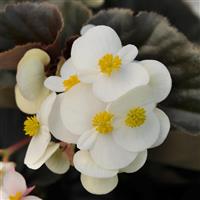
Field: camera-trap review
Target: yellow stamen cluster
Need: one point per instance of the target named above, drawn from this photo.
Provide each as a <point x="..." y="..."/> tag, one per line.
<point x="31" y="126"/>
<point x="18" y="196"/>
<point x="135" y="117"/>
<point x="109" y="63"/>
<point x="70" y="82"/>
<point x="102" y="121"/>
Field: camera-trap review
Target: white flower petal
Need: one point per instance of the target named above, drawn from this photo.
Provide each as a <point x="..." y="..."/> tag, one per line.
<point x="55" y="84"/>
<point x="139" y="138"/>
<point x="137" y="163"/>
<point x="119" y="83"/>
<point x="14" y="182"/>
<point x="86" y="28"/>
<point x="58" y="162"/>
<point x="87" y="76"/>
<point x="84" y="163"/>
<point x="31" y="198"/>
<point x="78" y="107"/>
<point x="37" y="54"/>
<point x="30" y="73"/>
<point x="137" y="97"/>
<point x="164" y="127"/>
<point x="45" y="109"/>
<point x="99" y="186"/>
<point x="50" y="150"/>
<point x="67" y="69"/>
<point x="37" y="146"/>
<point x="128" y="53"/>
<point x="160" y="79"/>
<point x="107" y="154"/>
<point x="26" y="106"/>
<point x="56" y="126"/>
<point x="92" y="46"/>
<point x="87" y="139"/>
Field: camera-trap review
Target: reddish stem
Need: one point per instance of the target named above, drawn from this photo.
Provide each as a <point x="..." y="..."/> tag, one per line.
<point x="69" y="150"/>
<point x="12" y="149"/>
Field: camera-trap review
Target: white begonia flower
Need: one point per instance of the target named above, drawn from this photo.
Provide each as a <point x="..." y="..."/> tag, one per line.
<point x="113" y="131"/>
<point x="41" y="150"/>
<point x="159" y="76"/>
<point x="37" y="128"/>
<point x="100" y="59"/>
<point x="67" y="80"/>
<point x="15" y="188"/>
<point x="30" y="91"/>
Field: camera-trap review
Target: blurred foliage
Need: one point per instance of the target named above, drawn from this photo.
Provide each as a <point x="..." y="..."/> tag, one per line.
<point x="178" y="13"/>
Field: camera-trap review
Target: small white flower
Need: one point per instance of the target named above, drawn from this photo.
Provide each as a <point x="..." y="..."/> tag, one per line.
<point x="30" y="91"/>
<point x="41" y="150"/>
<point x="113" y="133"/>
<point x="100" y="59"/>
<point x="67" y="80"/>
<point x="15" y="188"/>
<point x="37" y="128"/>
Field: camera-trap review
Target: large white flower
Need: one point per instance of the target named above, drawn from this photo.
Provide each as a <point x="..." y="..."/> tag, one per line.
<point x="15" y="188"/>
<point x="113" y="133"/>
<point x="67" y="80"/>
<point x="100" y="59"/>
<point x="159" y="76"/>
<point x="30" y="91"/>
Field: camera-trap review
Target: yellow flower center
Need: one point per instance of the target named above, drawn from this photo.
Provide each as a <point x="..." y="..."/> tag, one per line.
<point x="102" y="122"/>
<point x="109" y="63"/>
<point x="135" y="117"/>
<point x="70" y="82"/>
<point x="31" y="126"/>
<point x="18" y="196"/>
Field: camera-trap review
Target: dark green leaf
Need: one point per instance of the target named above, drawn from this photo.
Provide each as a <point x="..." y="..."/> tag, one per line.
<point x="178" y="13"/>
<point x="29" y="22"/>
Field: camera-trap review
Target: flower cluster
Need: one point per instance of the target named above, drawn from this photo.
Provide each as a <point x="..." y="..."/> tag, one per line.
<point x="101" y="100"/>
<point x="13" y="185"/>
